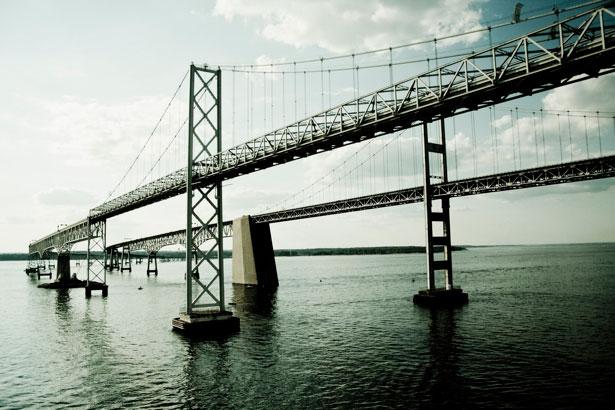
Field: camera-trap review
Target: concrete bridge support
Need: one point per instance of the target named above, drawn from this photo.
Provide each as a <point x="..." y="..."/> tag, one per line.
<point x="125" y="263"/>
<point x="253" y="259"/>
<point x="63" y="267"/>
<point x="152" y="263"/>
<point x="113" y="260"/>
<point x="437" y="228"/>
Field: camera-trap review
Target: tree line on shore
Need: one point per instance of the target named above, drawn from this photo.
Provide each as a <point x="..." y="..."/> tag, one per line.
<point x="368" y="250"/>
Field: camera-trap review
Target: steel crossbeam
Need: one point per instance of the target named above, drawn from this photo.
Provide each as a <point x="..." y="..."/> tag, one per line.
<point x="595" y="168"/>
<point x="562" y="53"/>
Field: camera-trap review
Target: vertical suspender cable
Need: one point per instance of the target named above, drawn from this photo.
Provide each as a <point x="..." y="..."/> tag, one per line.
<point x="473" y="140"/>
<point x="512" y="133"/>
<point x="391" y="65"/>
<point x="271" y="96"/>
<point x="305" y="99"/>
<point x="495" y="136"/>
<point x="455" y="148"/>
<point x="544" y="145"/>
<point x="599" y="133"/>
<point x="518" y="137"/>
<point x="535" y="136"/>
<point x="569" y="134"/>
<point x="233" y="127"/>
<point x="559" y="133"/>
<point x="295" y="87"/>
<point x="322" y="85"/>
<point x="283" y="99"/>
<point x="491" y="120"/>
<point x="586" y="136"/>
<point x="329" y="82"/>
<point x="354" y="81"/>
<point x="247" y="104"/>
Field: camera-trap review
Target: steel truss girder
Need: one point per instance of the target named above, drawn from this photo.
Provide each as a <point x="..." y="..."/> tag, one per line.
<point x="541" y="60"/>
<point x="61" y="240"/>
<point x="204" y="202"/>
<point x="596" y="168"/>
<point x="156" y="242"/>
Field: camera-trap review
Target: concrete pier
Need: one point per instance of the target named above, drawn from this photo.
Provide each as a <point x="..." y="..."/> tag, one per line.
<point x="63" y="276"/>
<point x="91" y="285"/>
<point x="441" y="297"/>
<point x="152" y="263"/>
<point x="63" y="269"/>
<point x="253" y="260"/>
<point x="206" y="323"/>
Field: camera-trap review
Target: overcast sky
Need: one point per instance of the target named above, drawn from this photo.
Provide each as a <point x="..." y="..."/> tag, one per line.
<point x="82" y="84"/>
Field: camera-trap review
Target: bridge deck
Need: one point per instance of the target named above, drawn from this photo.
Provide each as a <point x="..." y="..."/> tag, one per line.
<point x="595" y="168"/>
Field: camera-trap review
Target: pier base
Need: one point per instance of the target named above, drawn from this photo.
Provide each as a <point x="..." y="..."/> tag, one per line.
<point x="206" y="323"/>
<point x="440" y="298"/>
<point x="90" y="286"/>
<point x="65" y="284"/>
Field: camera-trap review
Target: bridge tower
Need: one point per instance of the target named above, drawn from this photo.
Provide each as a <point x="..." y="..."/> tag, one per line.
<point x="437" y="226"/>
<point x="95" y="259"/>
<point x="205" y="306"/>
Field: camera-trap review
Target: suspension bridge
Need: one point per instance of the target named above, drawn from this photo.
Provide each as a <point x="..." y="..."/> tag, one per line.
<point x="402" y="128"/>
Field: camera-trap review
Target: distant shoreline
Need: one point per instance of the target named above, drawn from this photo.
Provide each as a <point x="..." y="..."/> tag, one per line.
<point x="365" y="250"/>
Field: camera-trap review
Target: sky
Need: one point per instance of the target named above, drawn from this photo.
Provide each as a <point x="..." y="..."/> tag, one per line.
<point x="83" y="83"/>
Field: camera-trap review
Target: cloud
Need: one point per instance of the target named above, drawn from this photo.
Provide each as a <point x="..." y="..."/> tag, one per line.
<point x="588" y="95"/>
<point x="65" y="197"/>
<point x="374" y="24"/>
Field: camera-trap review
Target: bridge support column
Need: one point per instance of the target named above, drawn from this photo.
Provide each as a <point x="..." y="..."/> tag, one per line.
<point x="63" y="267"/>
<point x="438" y="247"/>
<point x="95" y="260"/>
<point x="114" y="260"/>
<point x="253" y="259"/>
<point x="44" y="269"/>
<point x="126" y="263"/>
<point x="152" y="263"/>
<point x="205" y="308"/>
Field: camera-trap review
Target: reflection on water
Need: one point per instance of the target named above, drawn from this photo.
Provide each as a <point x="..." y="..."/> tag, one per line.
<point x="254" y="300"/>
<point x="338" y="332"/>
<point x="63" y="312"/>
<point x="441" y="385"/>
